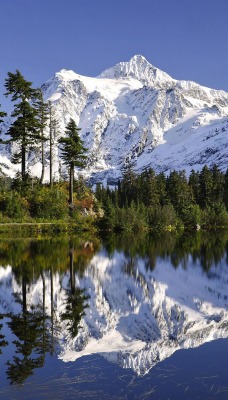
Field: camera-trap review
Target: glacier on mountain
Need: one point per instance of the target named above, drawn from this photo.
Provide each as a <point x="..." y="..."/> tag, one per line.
<point x="135" y="114"/>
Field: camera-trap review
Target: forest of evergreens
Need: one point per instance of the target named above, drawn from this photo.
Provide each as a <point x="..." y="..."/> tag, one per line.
<point x="156" y="201"/>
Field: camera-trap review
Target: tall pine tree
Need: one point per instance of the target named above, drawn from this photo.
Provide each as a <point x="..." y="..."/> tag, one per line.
<point x="53" y="130"/>
<point x="24" y="129"/>
<point x="42" y="109"/>
<point x="2" y="115"/>
<point x="72" y="153"/>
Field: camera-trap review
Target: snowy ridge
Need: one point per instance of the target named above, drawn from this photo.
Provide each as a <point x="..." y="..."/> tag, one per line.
<point x="134" y="113"/>
<point x="136" y="317"/>
<point x="139" y="68"/>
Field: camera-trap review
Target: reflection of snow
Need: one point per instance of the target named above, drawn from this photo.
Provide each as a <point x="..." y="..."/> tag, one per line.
<point x="140" y="319"/>
<point x="136" y="317"/>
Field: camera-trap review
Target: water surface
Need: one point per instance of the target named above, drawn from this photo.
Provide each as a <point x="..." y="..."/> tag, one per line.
<point x="122" y="317"/>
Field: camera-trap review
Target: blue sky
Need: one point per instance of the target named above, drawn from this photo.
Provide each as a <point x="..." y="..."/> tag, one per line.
<point x="186" y="38"/>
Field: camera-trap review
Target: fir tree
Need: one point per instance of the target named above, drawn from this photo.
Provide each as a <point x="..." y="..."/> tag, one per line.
<point x="194" y="183"/>
<point x="206" y="187"/>
<point x="53" y="129"/>
<point x="226" y="189"/>
<point x="179" y="191"/>
<point x="42" y="109"/>
<point x="2" y="115"/>
<point x="150" y="193"/>
<point x="24" y="130"/>
<point x="218" y="185"/>
<point x="73" y="153"/>
<point x="161" y="187"/>
<point x="128" y="186"/>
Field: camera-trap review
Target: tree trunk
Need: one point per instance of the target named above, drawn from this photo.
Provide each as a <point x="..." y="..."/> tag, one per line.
<point x="23" y="161"/>
<point x="23" y="151"/>
<point x="71" y="185"/>
<point x="51" y="182"/>
<point x="52" y="312"/>
<point x="43" y="280"/>
<point x="50" y="140"/>
<point x="42" y="160"/>
<point x="72" y="276"/>
<point x="24" y="295"/>
<point x="43" y="312"/>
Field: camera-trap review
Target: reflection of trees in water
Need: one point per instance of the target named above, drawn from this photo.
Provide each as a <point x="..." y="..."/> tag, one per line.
<point x="205" y="249"/>
<point x="36" y="331"/>
<point x="38" y="255"/>
<point x="3" y="342"/>
<point x="31" y="328"/>
<point x="75" y="304"/>
<point x="32" y="344"/>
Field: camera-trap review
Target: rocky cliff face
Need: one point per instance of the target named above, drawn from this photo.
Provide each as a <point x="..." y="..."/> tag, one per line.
<point x="136" y="114"/>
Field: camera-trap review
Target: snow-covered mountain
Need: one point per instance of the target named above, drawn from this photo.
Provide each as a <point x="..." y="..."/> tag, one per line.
<point x="134" y="113"/>
<point x="136" y="317"/>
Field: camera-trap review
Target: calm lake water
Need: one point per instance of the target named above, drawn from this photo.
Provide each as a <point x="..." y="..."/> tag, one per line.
<point x="123" y="317"/>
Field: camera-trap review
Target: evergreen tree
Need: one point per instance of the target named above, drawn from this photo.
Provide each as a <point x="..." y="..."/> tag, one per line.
<point x="179" y="191"/>
<point x="72" y="153"/>
<point x="218" y="185"/>
<point x="161" y="187"/>
<point x="194" y="183"/>
<point x="2" y="115"/>
<point x="129" y="191"/>
<point x="42" y="109"/>
<point x="206" y="187"/>
<point x="225" y="194"/>
<point x="149" y="189"/>
<point x="53" y="129"/>
<point x="24" y="129"/>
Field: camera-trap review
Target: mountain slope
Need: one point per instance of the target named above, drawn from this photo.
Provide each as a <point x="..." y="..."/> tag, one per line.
<point x="134" y="113"/>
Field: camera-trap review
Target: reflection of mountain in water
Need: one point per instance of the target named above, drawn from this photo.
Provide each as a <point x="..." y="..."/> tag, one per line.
<point x="136" y="316"/>
<point x="141" y="318"/>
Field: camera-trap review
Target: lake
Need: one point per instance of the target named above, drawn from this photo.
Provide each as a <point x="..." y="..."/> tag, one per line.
<point x="118" y="317"/>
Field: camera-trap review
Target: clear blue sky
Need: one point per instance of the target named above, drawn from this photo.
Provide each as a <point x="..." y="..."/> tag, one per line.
<point x="186" y="38"/>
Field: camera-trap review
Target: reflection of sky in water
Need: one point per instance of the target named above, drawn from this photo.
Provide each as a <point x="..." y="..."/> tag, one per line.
<point x="186" y="375"/>
<point x="137" y="317"/>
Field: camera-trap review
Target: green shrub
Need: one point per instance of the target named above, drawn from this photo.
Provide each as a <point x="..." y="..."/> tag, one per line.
<point x="162" y="217"/>
<point x="215" y="217"/>
<point x="192" y="216"/>
<point x="49" y="203"/>
<point x="14" y="206"/>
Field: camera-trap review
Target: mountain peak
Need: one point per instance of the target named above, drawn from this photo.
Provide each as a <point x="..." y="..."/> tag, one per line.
<point x="65" y="74"/>
<point x="138" y="58"/>
<point x="139" y="116"/>
<point x="139" y="68"/>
